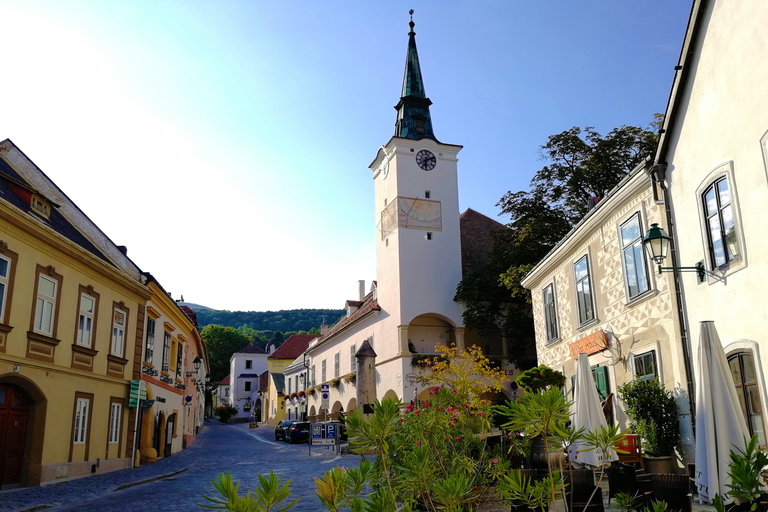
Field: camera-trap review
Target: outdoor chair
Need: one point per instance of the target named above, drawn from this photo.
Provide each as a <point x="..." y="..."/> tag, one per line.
<point x="580" y="486"/>
<point x="672" y="488"/>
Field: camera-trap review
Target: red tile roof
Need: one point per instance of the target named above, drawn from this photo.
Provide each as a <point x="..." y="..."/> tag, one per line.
<point x="293" y="347"/>
<point x="225" y="382"/>
<point x="368" y="306"/>
<point x="476" y="239"/>
<point x="251" y="349"/>
<point x="263" y="381"/>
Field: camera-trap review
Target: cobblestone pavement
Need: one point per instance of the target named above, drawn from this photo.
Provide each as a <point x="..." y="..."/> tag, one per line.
<point x="179" y="482"/>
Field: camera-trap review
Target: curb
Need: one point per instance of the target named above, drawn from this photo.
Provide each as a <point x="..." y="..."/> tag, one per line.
<point x="146" y="481"/>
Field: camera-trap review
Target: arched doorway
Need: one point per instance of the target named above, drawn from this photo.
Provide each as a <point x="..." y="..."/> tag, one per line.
<point x="14" y="415"/>
<point x="352" y="405"/>
<point x="391" y="395"/>
<point x="335" y="410"/>
<point x="745" y="378"/>
<point x="169" y="426"/>
<point x="158" y="434"/>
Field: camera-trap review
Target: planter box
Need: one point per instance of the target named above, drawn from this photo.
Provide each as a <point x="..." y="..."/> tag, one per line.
<point x="253" y="425"/>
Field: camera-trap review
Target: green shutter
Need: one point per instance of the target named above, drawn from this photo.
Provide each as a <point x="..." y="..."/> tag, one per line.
<point x="600" y="374"/>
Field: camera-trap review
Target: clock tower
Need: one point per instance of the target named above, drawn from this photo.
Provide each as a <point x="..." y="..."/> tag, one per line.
<point x="418" y="245"/>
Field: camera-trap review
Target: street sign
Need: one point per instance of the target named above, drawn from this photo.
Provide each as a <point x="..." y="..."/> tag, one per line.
<point x="136" y="392"/>
<point x="317" y="432"/>
<point x="324" y="390"/>
<point x="330" y="431"/>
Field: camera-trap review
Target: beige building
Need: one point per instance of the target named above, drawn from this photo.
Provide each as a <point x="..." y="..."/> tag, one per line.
<point x="597" y="293"/>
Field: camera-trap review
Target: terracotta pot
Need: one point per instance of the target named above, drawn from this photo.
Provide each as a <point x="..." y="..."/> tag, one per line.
<point x="664" y="464"/>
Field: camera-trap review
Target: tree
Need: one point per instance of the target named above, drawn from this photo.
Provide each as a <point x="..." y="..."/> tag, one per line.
<point x="222" y="342"/>
<point x="582" y="166"/>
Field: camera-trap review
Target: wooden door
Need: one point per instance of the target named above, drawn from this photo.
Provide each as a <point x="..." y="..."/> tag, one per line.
<point x="169" y="435"/>
<point x="14" y="409"/>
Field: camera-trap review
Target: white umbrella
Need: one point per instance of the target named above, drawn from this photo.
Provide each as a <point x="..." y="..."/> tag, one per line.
<point x="720" y="425"/>
<point x="587" y="413"/>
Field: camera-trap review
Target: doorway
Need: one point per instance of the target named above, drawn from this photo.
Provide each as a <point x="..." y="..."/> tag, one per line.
<point x="14" y="411"/>
<point x="169" y="435"/>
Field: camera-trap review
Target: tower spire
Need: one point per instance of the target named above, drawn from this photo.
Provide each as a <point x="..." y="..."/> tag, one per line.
<point x="413" y="119"/>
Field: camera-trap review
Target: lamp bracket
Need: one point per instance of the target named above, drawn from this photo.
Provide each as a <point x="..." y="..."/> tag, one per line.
<point x="701" y="273"/>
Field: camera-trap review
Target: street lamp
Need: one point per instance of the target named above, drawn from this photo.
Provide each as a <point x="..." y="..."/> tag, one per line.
<point x="197" y="363"/>
<point x="656" y="242"/>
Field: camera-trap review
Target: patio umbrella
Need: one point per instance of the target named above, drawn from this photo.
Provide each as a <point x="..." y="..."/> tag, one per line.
<point x="587" y="413"/>
<point x="720" y="425"/>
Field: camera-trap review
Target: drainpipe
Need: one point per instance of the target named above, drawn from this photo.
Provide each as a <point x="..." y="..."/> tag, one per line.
<point x="659" y="173"/>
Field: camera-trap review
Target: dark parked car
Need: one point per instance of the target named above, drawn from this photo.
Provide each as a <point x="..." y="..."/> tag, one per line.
<point x="282" y="428"/>
<point x="298" y="432"/>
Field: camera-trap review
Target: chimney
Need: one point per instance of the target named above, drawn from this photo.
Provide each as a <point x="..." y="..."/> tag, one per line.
<point x="362" y="289"/>
<point x="324" y="329"/>
<point x="123" y="249"/>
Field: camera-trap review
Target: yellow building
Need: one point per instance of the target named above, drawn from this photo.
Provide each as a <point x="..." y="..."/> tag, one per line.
<point x="175" y="388"/>
<point x="71" y="324"/>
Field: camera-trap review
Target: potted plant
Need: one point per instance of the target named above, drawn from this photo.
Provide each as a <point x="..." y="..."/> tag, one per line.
<point x="652" y="411"/>
<point x="334" y="383"/>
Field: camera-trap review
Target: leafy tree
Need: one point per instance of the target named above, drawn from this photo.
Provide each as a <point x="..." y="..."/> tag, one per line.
<point x="222" y="342"/>
<point x="581" y="167"/>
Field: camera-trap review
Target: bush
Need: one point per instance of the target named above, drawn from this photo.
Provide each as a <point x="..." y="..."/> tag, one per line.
<point x="225" y="412"/>
<point x="652" y="410"/>
<point x="540" y="377"/>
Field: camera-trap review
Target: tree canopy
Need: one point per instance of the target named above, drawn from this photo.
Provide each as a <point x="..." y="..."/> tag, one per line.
<point x="582" y="166"/>
<point x="222" y="342"/>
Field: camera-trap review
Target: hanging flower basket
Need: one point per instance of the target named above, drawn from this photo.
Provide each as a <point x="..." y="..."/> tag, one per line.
<point x="350" y="378"/>
<point x="302" y="394"/>
<point x="334" y="383"/>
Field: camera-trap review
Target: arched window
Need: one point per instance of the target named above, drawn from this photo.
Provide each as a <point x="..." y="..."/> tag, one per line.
<point x="744" y="376"/>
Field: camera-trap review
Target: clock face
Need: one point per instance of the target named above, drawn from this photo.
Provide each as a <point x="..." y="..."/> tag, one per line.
<point x="426" y="160"/>
<point x="385" y="168"/>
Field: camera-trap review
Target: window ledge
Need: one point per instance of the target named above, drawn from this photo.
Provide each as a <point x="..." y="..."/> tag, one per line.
<point x="33" y="336"/>
<point x="84" y="350"/>
<point x="588" y="324"/>
<point x="634" y="301"/>
<point x="117" y="359"/>
<point x="553" y="342"/>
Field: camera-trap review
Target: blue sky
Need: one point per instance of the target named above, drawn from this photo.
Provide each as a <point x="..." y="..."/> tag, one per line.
<point x="227" y="143"/>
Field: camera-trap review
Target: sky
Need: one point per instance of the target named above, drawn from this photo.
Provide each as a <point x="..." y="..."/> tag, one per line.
<point x="226" y="143"/>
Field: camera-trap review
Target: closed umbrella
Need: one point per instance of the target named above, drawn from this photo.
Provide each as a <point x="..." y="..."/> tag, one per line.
<point x="720" y="425"/>
<point x="587" y="413"/>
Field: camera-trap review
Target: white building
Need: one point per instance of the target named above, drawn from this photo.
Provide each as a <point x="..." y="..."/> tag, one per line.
<point x="411" y="306"/>
<point x="245" y="367"/>
<point x="713" y="161"/>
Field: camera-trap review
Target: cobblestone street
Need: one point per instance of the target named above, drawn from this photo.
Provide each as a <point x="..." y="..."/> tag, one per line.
<point x="179" y="482"/>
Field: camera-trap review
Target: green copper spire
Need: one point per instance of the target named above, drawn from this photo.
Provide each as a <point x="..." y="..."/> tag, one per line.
<point x="413" y="119"/>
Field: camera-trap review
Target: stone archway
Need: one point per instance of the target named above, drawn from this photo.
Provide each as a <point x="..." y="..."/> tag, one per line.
<point x="351" y="406"/>
<point x="147" y="451"/>
<point x="336" y="408"/>
<point x="426" y="331"/>
<point x="32" y="400"/>
<point x="312" y="414"/>
<point x="391" y="395"/>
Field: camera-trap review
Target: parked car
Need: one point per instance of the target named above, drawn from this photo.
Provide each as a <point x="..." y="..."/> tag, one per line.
<point x="282" y="428"/>
<point x="298" y="432"/>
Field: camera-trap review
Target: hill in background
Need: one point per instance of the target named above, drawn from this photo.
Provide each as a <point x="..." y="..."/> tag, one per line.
<point x="288" y="320"/>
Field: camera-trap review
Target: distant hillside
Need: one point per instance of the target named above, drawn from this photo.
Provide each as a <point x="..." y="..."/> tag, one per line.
<point x="288" y="320"/>
<point x="193" y="306"/>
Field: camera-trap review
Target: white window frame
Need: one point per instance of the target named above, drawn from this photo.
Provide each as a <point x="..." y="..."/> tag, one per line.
<point x="313" y="376"/>
<point x="81" y="420"/>
<point x="166" y="351"/>
<point x="115" y="416"/>
<point x="45" y="307"/>
<point x="653" y="353"/>
<point x="322" y="371"/>
<point x="117" y="347"/>
<point x="352" y="358"/>
<point x="583" y="320"/>
<point x="550" y="314"/>
<point x="738" y="262"/>
<point x="5" y="282"/>
<point x="336" y="365"/>
<point x="86" y="317"/>
<point x="636" y="246"/>
<point x="179" y="359"/>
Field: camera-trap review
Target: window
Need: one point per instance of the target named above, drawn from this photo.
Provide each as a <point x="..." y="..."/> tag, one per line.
<point x="118" y="332"/>
<point x="723" y="243"/>
<point x="645" y="366"/>
<point x="583" y="290"/>
<point x="312" y="375"/>
<point x="248" y="385"/>
<point x="81" y="419"/>
<point x="40" y="206"/>
<point x="635" y="273"/>
<point x="150" y="340"/>
<point x="289" y="385"/>
<point x="85" y="321"/>
<point x="179" y="359"/>
<point x="114" y="422"/>
<point x="322" y="371"/>
<point x="336" y="364"/>
<point x="248" y="364"/>
<point x="744" y="377"/>
<point x="5" y="273"/>
<point x="45" y="304"/>
<point x="166" y="351"/>
<point x="352" y="358"/>
<point x="550" y="312"/>
<point x="226" y="391"/>
<point x="427" y="194"/>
